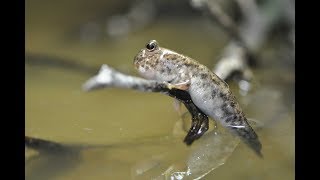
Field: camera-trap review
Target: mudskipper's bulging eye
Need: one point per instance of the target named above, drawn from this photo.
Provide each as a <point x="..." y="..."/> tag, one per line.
<point x="152" y="45"/>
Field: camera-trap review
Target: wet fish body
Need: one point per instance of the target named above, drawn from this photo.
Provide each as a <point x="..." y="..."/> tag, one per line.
<point x="208" y="92"/>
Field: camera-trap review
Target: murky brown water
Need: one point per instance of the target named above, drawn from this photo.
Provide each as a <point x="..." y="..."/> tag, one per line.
<point x="134" y="132"/>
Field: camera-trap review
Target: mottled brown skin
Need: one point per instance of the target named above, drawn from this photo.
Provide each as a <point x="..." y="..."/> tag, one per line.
<point x="207" y="91"/>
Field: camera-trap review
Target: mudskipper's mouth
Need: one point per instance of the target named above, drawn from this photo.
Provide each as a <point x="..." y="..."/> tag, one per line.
<point x="136" y="65"/>
<point x="138" y="59"/>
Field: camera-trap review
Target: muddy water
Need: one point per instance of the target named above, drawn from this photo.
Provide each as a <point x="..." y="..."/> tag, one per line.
<point x="136" y="135"/>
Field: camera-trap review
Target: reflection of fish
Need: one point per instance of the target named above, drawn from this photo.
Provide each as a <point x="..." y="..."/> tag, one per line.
<point x="207" y="91"/>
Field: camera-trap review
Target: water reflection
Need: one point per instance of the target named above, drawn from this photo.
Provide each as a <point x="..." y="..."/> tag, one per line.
<point x="166" y="157"/>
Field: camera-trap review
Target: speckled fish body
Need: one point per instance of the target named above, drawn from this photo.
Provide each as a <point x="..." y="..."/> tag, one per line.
<point x="208" y="92"/>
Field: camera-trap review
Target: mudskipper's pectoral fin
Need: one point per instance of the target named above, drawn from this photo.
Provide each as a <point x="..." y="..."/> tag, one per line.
<point x="181" y="86"/>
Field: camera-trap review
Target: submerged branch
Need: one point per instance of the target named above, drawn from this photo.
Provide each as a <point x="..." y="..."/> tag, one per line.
<point x="43" y="145"/>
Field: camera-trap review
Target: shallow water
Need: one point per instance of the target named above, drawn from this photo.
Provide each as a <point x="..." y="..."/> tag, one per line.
<point x="133" y="135"/>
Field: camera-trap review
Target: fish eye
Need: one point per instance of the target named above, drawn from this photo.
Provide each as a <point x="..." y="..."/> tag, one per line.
<point x="152" y="45"/>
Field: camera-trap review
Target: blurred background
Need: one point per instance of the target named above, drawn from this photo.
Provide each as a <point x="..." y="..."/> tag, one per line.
<point x="125" y="134"/>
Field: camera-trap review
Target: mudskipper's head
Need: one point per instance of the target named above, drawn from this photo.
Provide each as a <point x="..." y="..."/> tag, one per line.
<point x="148" y="59"/>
